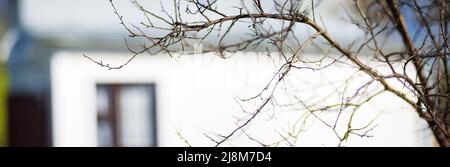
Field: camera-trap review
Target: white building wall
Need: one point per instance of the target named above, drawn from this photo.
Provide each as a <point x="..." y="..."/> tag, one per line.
<point x="196" y="95"/>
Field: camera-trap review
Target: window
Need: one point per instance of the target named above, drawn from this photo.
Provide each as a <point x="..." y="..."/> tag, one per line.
<point x="126" y="115"/>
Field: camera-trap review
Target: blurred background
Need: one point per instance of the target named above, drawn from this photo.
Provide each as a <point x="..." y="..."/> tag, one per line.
<point x="50" y="95"/>
<point x="3" y="76"/>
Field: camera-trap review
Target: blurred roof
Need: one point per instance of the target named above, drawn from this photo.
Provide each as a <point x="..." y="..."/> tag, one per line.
<point x="76" y="22"/>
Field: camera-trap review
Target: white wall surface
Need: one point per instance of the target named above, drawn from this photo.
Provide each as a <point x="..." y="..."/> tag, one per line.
<point x="195" y="95"/>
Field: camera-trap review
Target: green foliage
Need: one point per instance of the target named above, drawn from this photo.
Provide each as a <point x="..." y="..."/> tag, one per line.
<point x="3" y="97"/>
